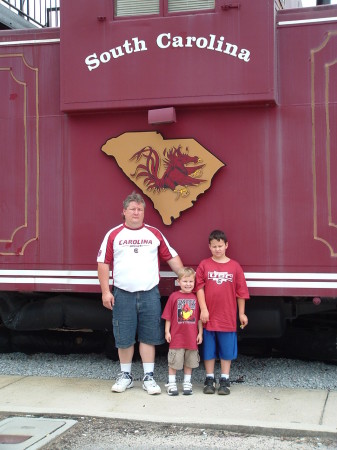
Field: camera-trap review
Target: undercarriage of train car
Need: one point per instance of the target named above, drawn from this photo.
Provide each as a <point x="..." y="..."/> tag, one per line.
<point x="302" y="328"/>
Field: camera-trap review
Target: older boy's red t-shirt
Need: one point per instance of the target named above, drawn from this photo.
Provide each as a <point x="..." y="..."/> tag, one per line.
<point x="223" y="284"/>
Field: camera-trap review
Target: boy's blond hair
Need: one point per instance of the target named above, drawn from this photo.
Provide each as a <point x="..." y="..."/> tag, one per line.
<point x="186" y="272"/>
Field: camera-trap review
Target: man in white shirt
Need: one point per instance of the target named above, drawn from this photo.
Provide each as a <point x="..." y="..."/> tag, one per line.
<point x="133" y="250"/>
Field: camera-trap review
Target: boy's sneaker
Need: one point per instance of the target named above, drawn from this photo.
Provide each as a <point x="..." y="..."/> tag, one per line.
<point x="171" y="388"/>
<point x="150" y="385"/>
<point x="124" y="381"/>
<point x="209" y="385"/>
<point x="224" y="386"/>
<point x="187" y="388"/>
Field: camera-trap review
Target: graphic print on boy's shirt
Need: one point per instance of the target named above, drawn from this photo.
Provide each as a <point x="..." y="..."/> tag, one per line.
<point x="186" y="310"/>
<point x="220" y="277"/>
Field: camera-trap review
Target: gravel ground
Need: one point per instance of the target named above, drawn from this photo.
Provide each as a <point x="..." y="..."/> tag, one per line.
<point x="265" y="372"/>
<point x="98" y="433"/>
<point x="121" y="435"/>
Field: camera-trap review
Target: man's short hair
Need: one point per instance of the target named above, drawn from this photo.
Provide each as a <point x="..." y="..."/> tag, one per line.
<point x="134" y="197"/>
<point x="218" y="235"/>
<point x="185" y="272"/>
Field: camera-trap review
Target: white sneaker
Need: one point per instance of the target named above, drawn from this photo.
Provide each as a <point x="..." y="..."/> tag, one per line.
<point x="187" y="388"/>
<point x="150" y="385"/>
<point x="171" y="388"/>
<point x="124" y="381"/>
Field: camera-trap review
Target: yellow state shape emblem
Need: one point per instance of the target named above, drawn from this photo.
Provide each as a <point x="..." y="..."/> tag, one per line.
<point x="171" y="172"/>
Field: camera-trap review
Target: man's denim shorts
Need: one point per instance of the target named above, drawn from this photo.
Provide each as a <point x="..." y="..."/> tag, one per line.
<point x="137" y="313"/>
<point x="220" y="344"/>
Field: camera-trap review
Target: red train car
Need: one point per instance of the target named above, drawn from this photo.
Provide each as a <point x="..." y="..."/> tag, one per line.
<point x="242" y="96"/>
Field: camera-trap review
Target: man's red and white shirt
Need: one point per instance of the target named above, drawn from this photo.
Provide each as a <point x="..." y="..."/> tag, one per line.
<point x="134" y="256"/>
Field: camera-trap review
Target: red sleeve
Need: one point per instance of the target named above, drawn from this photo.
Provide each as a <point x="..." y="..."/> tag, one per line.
<point x="167" y="313"/>
<point x="200" y="277"/>
<point x="109" y="251"/>
<point x="241" y="285"/>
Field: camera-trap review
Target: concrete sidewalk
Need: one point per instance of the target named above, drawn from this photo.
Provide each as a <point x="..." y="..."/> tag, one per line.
<point x="246" y="409"/>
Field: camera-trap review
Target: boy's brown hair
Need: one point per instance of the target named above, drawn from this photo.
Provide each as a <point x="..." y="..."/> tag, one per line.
<point x="218" y="235"/>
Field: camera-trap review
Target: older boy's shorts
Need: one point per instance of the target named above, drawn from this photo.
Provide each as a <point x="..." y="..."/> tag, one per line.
<point x="220" y="344"/>
<point x="137" y="313"/>
<point x="179" y="357"/>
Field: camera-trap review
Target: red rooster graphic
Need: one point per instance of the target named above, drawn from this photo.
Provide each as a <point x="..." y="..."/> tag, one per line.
<point x="177" y="173"/>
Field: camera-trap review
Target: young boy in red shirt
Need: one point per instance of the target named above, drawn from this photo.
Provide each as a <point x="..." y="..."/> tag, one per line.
<point x="183" y="331"/>
<point x="221" y="290"/>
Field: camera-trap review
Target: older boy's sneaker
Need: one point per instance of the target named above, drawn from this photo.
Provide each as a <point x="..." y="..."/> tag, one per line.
<point x="124" y="381"/>
<point x="171" y="388"/>
<point x="149" y="384"/>
<point x="209" y="385"/>
<point x="187" y="388"/>
<point x="224" y="386"/>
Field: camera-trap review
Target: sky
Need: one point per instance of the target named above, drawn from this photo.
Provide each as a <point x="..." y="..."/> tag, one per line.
<point x="313" y="2"/>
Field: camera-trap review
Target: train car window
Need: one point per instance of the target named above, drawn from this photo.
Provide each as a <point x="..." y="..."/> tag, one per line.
<point x="190" y="5"/>
<point x="125" y="8"/>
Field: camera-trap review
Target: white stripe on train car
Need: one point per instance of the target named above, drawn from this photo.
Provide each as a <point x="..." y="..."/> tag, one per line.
<point x="30" y="42"/>
<point x="307" y="21"/>
<point x="89" y="277"/>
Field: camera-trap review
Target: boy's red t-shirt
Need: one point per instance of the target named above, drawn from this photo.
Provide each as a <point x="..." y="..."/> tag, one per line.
<point x="223" y="283"/>
<point x="182" y="310"/>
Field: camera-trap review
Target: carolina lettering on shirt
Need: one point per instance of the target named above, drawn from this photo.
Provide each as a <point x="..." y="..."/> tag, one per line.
<point x="136" y="242"/>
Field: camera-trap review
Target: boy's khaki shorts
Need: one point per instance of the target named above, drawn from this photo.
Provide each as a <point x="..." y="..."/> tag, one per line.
<point x="179" y="357"/>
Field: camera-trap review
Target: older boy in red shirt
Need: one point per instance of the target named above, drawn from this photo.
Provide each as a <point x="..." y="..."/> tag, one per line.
<point x="221" y="290"/>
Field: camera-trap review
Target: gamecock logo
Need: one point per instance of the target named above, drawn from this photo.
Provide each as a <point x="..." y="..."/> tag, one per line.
<point x="178" y="175"/>
<point x="172" y="172"/>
